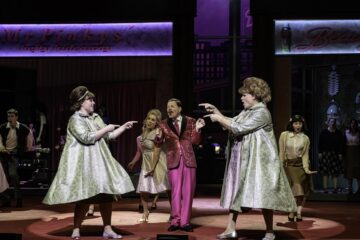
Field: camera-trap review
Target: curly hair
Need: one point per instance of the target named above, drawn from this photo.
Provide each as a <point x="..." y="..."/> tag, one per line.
<point x="156" y="113"/>
<point x="77" y="96"/>
<point x="158" y="116"/>
<point x="257" y="88"/>
<point x="296" y="118"/>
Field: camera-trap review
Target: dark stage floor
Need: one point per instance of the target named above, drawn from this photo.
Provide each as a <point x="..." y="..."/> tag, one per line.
<point x="322" y="220"/>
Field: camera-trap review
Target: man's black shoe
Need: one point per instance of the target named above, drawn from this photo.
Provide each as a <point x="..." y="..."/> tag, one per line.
<point x="187" y="228"/>
<point x="173" y="228"/>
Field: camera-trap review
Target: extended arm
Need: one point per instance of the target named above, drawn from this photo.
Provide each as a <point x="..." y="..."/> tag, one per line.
<point x="118" y="131"/>
<point x="216" y="116"/>
<point x="305" y="159"/>
<point x="225" y="122"/>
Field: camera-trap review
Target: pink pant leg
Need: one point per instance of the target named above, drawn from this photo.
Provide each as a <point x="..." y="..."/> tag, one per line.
<point x="183" y="181"/>
<point x="175" y="179"/>
<point x="188" y="190"/>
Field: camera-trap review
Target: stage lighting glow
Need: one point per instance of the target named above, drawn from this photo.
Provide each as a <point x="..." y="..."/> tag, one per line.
<point x="217" y="148"/>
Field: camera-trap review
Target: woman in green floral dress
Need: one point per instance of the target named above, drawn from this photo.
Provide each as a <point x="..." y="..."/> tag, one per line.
<point x="254" y="176"/>
<point x="87" y="172"/>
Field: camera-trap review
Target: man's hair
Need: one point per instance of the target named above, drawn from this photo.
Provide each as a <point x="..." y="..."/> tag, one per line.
<point x="13" y="111"/>
<point x="177" y="101"/>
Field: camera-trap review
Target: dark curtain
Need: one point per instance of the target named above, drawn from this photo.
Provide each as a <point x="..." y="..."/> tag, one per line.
<point x="123" y="102"/>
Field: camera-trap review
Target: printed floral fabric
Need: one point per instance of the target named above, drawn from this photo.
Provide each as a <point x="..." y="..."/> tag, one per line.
<point x="86" y="167"/>
<point x="261" y="181"/>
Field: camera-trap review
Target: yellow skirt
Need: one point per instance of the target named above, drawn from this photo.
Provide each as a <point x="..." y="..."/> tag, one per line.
<point x="299" y="181"/>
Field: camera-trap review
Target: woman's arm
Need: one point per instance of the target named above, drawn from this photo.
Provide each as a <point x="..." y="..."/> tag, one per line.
<point x="282" y="145"/>
<point x="81" y="132"/>
<point x="256" y="120"/>
<point x="305" y="158"/>
<point x="109" y="128"/>
<point x="216" y="116"/>
<point x="118" y="131"/>
<point x="225" y="122"/>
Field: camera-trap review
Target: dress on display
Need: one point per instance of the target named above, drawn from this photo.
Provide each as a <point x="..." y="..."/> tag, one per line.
<point x="86" y="169"/>
<point x="352" y="155"/>
<point x="159" y="181"/>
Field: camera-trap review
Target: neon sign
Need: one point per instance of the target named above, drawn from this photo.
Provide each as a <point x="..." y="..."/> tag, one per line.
<point x="81" y="40"/>
<point x="294" y="37"/>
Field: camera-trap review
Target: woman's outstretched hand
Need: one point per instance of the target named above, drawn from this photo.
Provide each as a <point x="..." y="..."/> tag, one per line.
<point x="310" y="172"/>
<point x="214" y="117"/>
<point x="129" y="124"/>
<point x="150" y="173"/>
<point x="210" y="108"/>
<point x="131" y="165"/>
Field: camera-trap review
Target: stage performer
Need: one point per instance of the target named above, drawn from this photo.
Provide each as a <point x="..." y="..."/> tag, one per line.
<point x="180" y="133"/>
<point x="254" y="176"/>
<point x="87" y="172"/>
<point x="153" y="177"/>
<point x="294" y="147"/>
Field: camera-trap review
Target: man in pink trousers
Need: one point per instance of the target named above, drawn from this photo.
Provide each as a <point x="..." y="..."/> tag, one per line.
<point x="180" y="133"/>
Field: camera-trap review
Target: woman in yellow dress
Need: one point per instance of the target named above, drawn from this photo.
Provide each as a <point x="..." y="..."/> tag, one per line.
<point x="294" y="152"/>
<point x="153" y="177"/>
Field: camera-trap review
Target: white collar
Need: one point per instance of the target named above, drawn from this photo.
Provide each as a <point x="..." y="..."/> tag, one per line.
<point x="179" y="118"/>
<point x="17" y="125"/>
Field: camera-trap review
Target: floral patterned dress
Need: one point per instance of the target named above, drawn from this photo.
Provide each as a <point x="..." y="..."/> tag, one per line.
<point x="86" y="167"/>
<point x="254" y="176"/>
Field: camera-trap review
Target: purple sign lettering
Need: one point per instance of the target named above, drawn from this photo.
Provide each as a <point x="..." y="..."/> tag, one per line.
<point x="80" y="40"/>
<point x="318" y="37"/>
